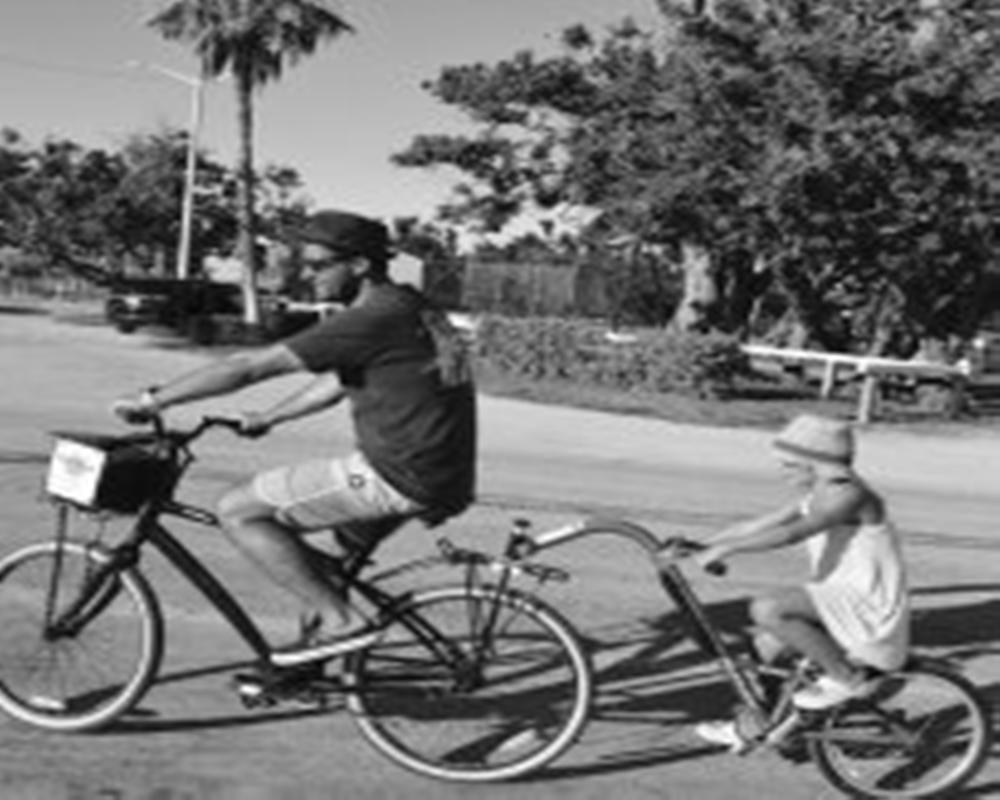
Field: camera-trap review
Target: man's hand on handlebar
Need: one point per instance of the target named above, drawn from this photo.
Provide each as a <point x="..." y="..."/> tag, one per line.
<point x="142" y="408"/>
<point x="136" y="409"/>
<point x="252" y="424"/>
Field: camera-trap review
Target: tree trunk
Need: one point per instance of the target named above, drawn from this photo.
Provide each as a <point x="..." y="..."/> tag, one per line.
<point x="247" y="249"/>
<point x="700" y="292"/>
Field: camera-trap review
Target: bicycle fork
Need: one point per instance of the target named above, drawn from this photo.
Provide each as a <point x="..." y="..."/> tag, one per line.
<point x="96" y="592"/>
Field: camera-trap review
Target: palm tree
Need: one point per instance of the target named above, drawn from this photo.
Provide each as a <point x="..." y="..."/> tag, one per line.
<point x="253" y="41"/>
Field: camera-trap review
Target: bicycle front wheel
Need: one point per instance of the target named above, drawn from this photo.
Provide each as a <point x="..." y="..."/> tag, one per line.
<point x="83" y="678"/>
<point x="924" y="733"/>
<point x="471" y="684"/>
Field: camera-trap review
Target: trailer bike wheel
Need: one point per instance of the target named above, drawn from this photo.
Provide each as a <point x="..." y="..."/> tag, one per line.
<point x="472" y="684"/>
<point x="924" y="733"/>
<point x="84" y="676"/>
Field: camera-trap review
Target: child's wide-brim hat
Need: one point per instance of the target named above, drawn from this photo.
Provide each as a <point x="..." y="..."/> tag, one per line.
<point x="818" y="439"/>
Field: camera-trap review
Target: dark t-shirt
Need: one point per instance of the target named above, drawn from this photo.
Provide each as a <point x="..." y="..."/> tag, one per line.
<point x="407" y="377"/>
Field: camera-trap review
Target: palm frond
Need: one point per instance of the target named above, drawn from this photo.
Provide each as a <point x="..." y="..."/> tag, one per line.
<point x="260" y="36"/>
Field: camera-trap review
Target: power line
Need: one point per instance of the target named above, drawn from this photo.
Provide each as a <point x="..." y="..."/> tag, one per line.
<point x="65" y="68"/>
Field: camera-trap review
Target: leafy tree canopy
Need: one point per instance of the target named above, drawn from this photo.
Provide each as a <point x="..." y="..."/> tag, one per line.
<point x="72" y="205"/>
<point x="841" y="153"/>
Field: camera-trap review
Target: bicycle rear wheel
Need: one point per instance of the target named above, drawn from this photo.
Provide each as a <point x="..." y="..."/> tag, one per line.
<point x="494" y="685"/>
<point x="924" y="733"/>
<point x="77" y="680"/>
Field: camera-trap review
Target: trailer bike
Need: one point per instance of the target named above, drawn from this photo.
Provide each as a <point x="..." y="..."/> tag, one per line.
<point x="923" y="732"/>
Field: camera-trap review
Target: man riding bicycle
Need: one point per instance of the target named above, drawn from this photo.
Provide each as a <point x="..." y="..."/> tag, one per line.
<point x="404" y="369"/>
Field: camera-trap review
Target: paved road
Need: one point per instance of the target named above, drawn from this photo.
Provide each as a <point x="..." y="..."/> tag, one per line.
<point x="192" y="741"/>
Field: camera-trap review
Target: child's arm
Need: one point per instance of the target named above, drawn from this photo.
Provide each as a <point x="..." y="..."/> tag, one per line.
<point x="751" y="527"/>
<point x="833" y="505"/>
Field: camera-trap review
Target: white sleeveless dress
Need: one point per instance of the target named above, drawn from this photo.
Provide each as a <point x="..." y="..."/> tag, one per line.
<point x="859" y="587"/>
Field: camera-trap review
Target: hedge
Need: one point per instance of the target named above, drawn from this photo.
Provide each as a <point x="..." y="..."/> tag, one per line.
<point x="704" y="365"/>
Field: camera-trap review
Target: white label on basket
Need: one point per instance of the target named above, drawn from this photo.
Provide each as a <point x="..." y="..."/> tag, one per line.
<point x="75" y="471"/>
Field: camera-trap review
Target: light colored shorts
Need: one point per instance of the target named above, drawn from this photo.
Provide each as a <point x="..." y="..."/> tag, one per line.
<point x="334" y="493"/>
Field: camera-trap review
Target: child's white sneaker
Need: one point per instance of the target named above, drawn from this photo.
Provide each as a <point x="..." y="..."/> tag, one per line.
<point x="722" y="732"/>
<point x="827" y="692"/>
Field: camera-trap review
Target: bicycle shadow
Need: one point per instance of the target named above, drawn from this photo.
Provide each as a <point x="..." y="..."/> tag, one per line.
<point x="968" y="630"/>
<point x="991" y="694"/>
<point x="660" y="682"/>
<point x="145" y="719"/>
<point x="652" y="686"/>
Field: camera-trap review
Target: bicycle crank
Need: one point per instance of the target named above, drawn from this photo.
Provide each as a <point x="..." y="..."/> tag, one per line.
<point x="266" y="688"/>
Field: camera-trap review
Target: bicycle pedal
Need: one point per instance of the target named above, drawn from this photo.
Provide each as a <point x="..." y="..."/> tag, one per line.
<point x="270" y="687"/>
<point x="252" y="690"/>
<point x="309" y="697"/>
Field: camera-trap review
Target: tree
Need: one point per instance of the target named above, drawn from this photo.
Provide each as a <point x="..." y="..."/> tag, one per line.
<point x="882" y="191"/>
<point x="74" y="207"/>
<point x="143" y="216"/>
<point x="51" y="199"/>
<point x="253" y="40"/>
<point x="843" y="153"/>
<point x="614" y="126"/>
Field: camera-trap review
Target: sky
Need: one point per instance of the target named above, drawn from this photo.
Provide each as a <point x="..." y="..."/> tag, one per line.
<point x="92" y="71"/>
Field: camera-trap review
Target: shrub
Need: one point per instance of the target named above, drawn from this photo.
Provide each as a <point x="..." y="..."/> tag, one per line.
<point x="705" y="364"/>
<point x="571" y="350"/>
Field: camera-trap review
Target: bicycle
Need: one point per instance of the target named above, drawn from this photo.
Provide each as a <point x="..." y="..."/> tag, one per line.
<point x="473" y="681"/>
<point x="923" y="732"/>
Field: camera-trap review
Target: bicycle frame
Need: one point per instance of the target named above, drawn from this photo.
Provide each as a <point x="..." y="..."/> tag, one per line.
<point x="100" y="588"/>
<point x="675" y="584"/>
<point x="148" y="529"/>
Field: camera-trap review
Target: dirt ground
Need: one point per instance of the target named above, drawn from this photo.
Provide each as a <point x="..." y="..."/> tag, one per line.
<point x="193" y="741"/>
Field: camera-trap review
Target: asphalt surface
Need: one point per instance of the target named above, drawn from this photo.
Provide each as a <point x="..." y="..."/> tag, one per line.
<point x="192" y="740"/>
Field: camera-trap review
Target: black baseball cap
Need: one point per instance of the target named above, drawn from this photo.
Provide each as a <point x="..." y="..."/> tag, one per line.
<point x="348" y="234"/>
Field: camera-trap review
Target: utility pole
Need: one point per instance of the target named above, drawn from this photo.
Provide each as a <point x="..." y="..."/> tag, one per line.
<point x="197" y="85"/>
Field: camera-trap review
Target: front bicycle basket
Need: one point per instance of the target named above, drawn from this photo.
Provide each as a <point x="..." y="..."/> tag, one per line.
<point x="112" y="473"/>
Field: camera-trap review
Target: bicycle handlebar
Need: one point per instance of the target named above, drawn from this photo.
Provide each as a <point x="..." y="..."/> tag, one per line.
<point x="683" y="547"/>
<point x="526" y="544"/>
<point x="183" y="438"/>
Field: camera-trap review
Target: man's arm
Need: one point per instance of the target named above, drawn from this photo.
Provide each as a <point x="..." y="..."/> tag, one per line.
<point x="321" y="393"/>
<point x="220" y="377"/>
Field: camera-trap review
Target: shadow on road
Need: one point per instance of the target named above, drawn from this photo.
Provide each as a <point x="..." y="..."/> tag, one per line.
<point x="652" y="686"/>
<point x="21" y="310"/>
<point x="145" y="719"/>
<point x="661" y="686"/>
<point x="966" y="630"/>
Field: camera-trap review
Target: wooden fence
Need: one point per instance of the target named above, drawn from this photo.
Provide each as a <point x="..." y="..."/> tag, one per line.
<point x="871" y="370"/>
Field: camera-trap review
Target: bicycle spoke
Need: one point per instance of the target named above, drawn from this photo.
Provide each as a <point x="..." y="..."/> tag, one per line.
<point x="80" y="679"/>
<point x="516" y="699"/>
<point x="925" y="736"/>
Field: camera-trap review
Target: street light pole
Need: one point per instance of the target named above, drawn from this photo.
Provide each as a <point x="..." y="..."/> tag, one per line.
<point x="194" y="128"/>
<point x="187" y="207"/>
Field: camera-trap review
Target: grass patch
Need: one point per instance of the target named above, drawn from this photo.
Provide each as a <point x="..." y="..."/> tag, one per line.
<point x="764" y="403"/>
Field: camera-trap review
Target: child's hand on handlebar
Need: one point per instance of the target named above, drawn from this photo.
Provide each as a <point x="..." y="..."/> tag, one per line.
<point x="712" y="559"/>
<point x="709" y="558"/>
<point x="677" y="547"/>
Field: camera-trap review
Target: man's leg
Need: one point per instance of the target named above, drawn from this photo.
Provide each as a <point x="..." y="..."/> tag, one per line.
<point x="279" y="552"/>
<point x="267" y="519"/>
